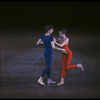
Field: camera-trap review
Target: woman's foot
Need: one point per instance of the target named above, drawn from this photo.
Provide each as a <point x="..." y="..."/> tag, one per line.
<point x="60" y="83"/>
<point x="80" y="66"/>
<point x="40" y="80"/>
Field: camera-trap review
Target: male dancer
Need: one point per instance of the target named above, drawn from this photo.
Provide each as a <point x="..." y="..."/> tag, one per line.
<point x="48" y="41"/>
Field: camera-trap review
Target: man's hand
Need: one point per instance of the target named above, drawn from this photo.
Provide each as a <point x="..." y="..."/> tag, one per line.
<point x="64" y="51"/>
<point x="54" y="39"/>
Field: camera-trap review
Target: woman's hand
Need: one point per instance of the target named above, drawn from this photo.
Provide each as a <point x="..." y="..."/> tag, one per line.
<point x="59" y="39"/>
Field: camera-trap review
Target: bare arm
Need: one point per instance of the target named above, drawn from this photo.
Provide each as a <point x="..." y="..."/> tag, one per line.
<point x="54" y="47"/>
<point x="39" y="42"/>
<point x="62" y="44"/>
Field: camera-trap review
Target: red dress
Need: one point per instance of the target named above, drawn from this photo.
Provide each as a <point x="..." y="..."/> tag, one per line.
<point x="66" y="59"/>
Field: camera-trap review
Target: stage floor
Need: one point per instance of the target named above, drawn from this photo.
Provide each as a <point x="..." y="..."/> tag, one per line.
<point x="22" y="62"/>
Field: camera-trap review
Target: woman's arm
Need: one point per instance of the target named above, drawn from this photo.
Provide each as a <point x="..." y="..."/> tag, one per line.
<point x="39" y="42"/>
<point x="62" y="44"/>
<point x="54" y="47"/>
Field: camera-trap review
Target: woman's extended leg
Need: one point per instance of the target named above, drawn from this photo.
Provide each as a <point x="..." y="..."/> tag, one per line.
<point x="66" y="59"/>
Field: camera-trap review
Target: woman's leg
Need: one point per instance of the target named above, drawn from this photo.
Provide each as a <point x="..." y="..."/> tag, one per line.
<point x="73" y="66"/>
<point x="63" y="69"/>
<point x="69" y="58"/>
<point x="66" y="59"/>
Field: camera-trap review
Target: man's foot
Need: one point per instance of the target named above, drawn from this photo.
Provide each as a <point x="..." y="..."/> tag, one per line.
<point x="50" y="82"/>
<point x="80" y="66"/>
<point x="61" y="83"/>
<point x="41" y="81"/>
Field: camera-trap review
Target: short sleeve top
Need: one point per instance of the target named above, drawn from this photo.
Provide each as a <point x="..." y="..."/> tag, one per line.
<point x="47" y="42"/>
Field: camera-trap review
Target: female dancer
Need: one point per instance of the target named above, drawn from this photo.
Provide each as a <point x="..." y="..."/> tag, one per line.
<point x="48" y="41"/>
<point x="66" y="57"/>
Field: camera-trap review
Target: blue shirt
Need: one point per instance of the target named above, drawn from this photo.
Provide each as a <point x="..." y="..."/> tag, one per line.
<point x="47" y="42"/>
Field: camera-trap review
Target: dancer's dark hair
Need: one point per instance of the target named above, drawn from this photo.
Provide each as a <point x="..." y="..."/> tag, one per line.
<point x="48" y="27"/>
<point x="63" y="30"/>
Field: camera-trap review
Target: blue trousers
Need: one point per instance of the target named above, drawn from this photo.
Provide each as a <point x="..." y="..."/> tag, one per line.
<point x="47" y="70"/>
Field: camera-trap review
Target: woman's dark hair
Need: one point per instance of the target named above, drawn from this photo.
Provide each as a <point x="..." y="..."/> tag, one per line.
<point x="63" y="30"/>
<point x="48" y="27"/>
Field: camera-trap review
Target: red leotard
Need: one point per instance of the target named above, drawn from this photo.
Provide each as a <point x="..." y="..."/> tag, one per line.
<point x="66" y="59"/>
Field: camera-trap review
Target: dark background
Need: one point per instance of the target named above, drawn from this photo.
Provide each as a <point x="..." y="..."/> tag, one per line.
<point x="30" y="15"/>
<point x="22" y="61"/>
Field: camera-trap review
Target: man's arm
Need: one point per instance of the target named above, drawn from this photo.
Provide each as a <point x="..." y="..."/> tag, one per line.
<point x="39" y="42"/>
<point x="54" y="47"/>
